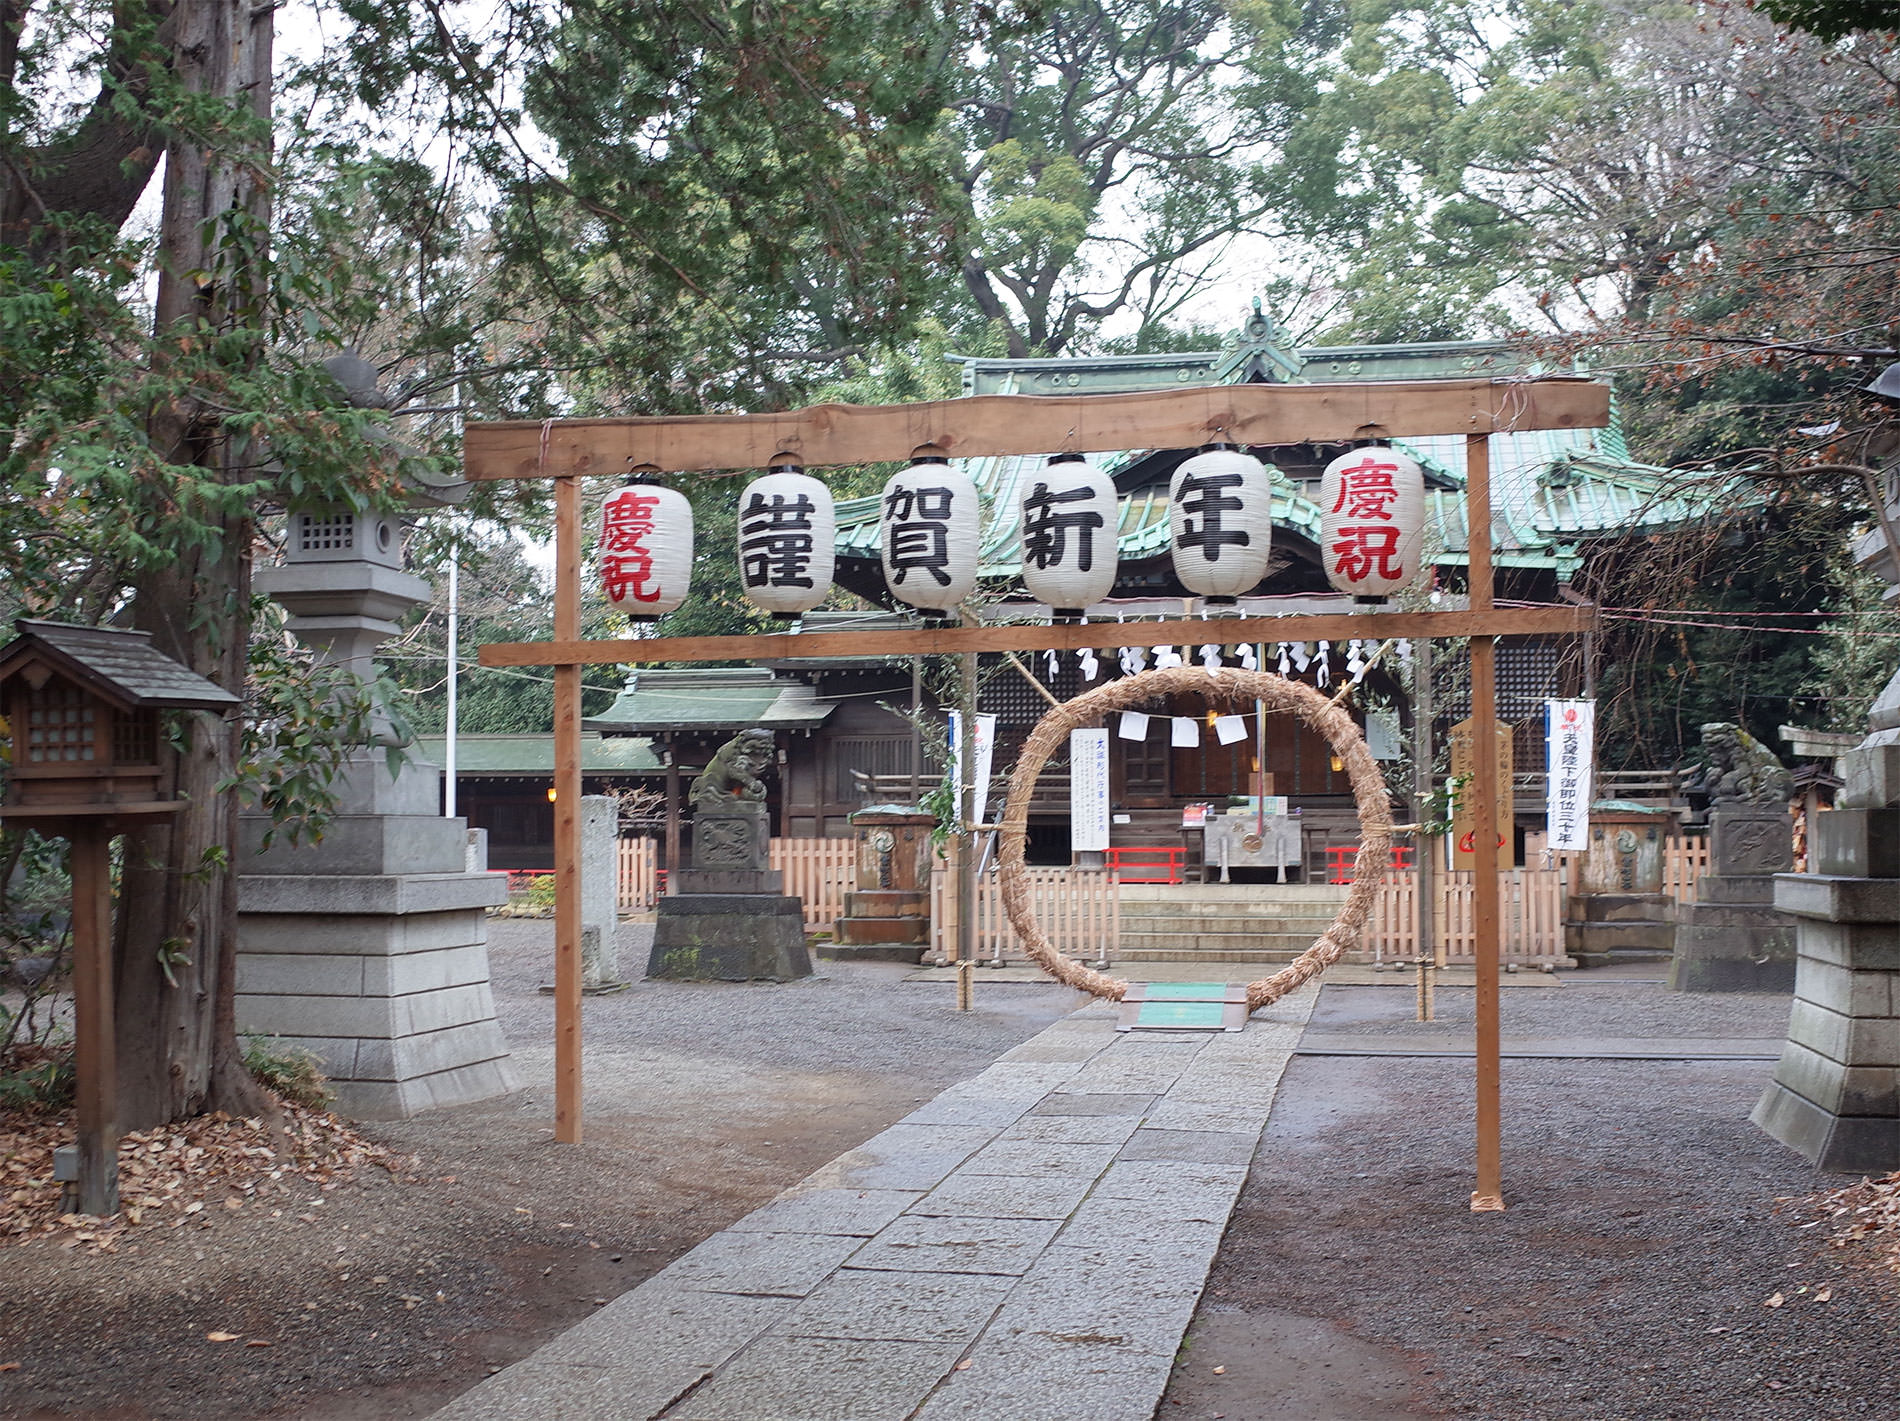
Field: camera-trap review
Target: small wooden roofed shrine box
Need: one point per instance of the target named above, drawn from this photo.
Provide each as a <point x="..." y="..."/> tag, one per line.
<point x="82" y="704"/>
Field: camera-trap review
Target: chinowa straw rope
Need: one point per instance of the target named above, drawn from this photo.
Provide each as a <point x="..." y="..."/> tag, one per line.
<point x="1222" y="688"/>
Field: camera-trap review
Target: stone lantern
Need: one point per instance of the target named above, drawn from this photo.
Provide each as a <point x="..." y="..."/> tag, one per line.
<point x="369" y="948"/>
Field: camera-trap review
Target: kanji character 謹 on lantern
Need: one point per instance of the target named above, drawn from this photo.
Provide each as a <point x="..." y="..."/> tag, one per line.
<point x="1372" y="521"/>
<point x="1220" y="523"/>
<point x="929" y="524"/>
<point x="1068" y="532"/>
<point x="787" y="528"/>
<point x="646" y="549"/>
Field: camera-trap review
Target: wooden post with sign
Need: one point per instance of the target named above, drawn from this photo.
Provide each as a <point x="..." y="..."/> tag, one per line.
<point x="830" y="435"/>
<point x="82" y="705"/>
<point x="1464" y="817"/>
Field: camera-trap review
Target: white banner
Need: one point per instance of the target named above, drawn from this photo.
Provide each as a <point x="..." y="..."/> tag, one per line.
<point x="985" y="752"/>
<point x="1088" y="790"/>
<point x="1570" y="755"/>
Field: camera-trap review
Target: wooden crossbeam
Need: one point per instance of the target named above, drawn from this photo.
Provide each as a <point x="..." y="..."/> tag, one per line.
<point x="926" y="640"/>
<point x="977" y="425"/>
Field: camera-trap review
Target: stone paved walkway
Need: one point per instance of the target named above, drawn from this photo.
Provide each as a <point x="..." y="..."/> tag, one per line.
<point x="1029" y="1246"/>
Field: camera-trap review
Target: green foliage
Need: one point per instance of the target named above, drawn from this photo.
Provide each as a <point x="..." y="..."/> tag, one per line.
<point x="303" y="721"/>
<point x="291" y="1071"/>
<point x="41" y="1085"/>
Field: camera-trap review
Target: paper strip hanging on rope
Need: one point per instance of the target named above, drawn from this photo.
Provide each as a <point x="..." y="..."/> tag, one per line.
<point x="1229" y="728"/>
<point x="1187" y="732"/>
<point x="1134" y="725"/>
<point x="1570" y="752"/>
<point x="985" y="752"/>
<point x="1088" y="790"/>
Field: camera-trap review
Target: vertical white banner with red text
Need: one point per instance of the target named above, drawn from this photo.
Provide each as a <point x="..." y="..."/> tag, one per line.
<point x="1570" y="751"/>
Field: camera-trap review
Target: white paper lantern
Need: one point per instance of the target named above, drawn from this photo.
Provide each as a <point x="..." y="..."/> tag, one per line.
<point x="929" y="524"/>
<point x="1069" y="523"/>
<point x="646" y="549"/>
<point x="1220" y="523"/>
<point x="1372" y="522"/>
<point x="787" y="535"/>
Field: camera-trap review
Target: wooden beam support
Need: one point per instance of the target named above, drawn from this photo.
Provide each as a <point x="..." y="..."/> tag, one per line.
<point x="567" y="818"/>
<point x="977" y="425"/>
<point x="96" y="1105"/>
<point x="951" y="640"/>
<point x="1487" y="921"/>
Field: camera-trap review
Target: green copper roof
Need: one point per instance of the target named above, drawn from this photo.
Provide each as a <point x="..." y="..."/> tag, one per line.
<point x="710" y="698"/>
<point x="532" y="756"/>
<point x="1553" y="490"/>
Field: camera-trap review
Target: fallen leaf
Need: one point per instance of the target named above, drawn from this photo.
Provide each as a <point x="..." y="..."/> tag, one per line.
<point x="1220" y="1371"/>
<point x="962" y="1366"/>
<point x="9" y="1366"/>
<point x="1825" y="1295"/>
<point x="257" y="1342"/>
<point x="222" y="1336"/>
<point x="1774" y="1302"/>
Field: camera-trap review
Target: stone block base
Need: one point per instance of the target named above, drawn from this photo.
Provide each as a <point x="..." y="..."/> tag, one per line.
<point x="394" y="1003"/>
<point x="1835" y="1098"/>
<point x="729" y="937"/>
<point x="1734" y="940"/>
<point x="1600" y="944"/>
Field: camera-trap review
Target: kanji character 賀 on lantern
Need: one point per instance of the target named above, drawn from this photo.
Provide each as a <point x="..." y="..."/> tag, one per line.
<point x="1220" y="523"/>
<point x="1372" y="521"/>
<point x="929" y="523"/>
<point x="1069" y="525"/>
<point x="646" y="549"/>
<point x="787" y="528"/>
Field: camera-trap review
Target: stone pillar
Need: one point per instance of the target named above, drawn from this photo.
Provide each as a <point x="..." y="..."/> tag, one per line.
<point x="1732" y="938"/>
<point x="1835" y="1098"/>
<point x="600" y="893"/>
<point x="887" y="915"/>
<point x="1618" y="908"/>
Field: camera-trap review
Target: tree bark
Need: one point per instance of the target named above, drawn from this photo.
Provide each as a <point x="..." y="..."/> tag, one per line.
<point x="100" y="166"/>
<point x="177" y="943"/>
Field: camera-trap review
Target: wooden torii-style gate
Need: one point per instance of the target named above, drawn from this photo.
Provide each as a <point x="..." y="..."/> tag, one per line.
<point x="566" y="451"/>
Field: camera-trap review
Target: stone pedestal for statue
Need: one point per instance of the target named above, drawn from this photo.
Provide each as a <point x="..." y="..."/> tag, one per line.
<point x="1733" y="938"/>
<point x="1835" y="1098"/>
<point x="887" y="915"/>
<point x="1619" y="910"/>
<point x="369" y="948"/>
<point x="731" y="919"/>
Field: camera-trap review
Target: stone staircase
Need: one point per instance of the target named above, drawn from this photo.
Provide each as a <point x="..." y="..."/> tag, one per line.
<point x="1224" y="922"/>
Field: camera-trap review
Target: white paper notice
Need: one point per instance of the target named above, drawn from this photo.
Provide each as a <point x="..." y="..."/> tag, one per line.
<point x="1229" y="728"/>
<point x="1569" y="747"/>
<point x="1187" y="731"/>
<point x="1088" y="790"/>
<point x="1134" y="725"/>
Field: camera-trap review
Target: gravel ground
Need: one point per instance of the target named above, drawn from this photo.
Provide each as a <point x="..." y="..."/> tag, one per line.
<point x="387" y="1296"/>
<point x="1579" y="1008"/>
<point x="1629" y="1279"/>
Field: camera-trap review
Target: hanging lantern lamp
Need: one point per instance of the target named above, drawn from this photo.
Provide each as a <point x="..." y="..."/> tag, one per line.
<point x="1069" y="523"/>
<point x="786" y="540"/>
<point x="929" y="525"/>
<point x="1220" y="523"/>
<point x="1372" y="522"/>
<point x="646" y="549"/>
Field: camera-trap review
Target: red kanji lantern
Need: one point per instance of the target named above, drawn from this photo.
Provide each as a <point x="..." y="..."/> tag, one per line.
<point x="1372" y="521"/>
<point x="929" y="526"/>
<point x="646" y="549"/>
<point x="1069" y="523"/>
<point x="1220" y="523"/>
<point x="787" y="535"/>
